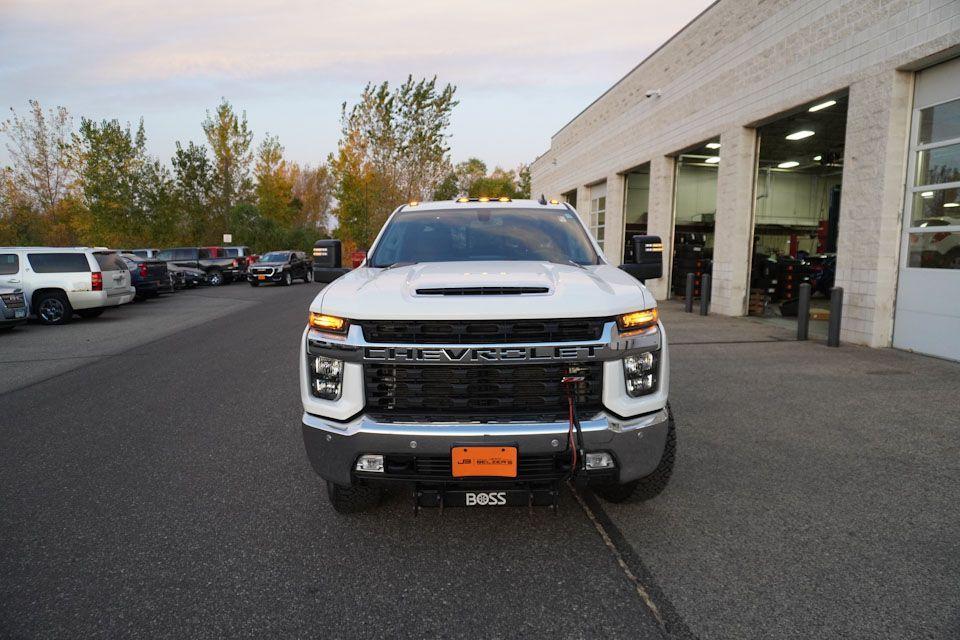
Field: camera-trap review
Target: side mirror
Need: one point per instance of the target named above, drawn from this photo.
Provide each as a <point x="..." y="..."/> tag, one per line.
<point x="648" y="253"/>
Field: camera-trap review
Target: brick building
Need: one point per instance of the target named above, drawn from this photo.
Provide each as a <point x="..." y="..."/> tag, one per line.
<point x="773" y="140"/>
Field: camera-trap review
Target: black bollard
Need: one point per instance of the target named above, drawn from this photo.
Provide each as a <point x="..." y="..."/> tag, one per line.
<point x="803" y="312"/>
<point x="704" y="294"/>
<point x="688" y="300"/>
<point x="836" y="311"/>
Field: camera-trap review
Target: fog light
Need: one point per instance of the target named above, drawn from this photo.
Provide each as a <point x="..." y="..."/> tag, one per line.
<point x="599" y="461"/>
<point x="370" y="464"/>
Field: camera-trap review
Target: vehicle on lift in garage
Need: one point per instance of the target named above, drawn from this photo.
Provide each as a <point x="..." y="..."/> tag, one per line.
<point x="281" y="267"/>
<point x="13" y="307"/>
<point x="484" y="353"/>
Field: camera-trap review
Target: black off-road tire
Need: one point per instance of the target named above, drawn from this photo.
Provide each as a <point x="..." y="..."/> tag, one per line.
<point x="308" y="276"/>
<point x="355" y="498"/>
<point x="91" y="313"/>
<point x="216" y="278"/>
<point x="650" y="486"/>
<point x="286" y="279"/>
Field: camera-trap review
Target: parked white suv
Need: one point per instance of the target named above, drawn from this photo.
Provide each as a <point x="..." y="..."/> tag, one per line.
<point x="61" y="281"/>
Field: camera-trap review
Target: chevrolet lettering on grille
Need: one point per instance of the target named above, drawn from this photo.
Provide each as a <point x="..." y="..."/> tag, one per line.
<point x="461" y="355"/>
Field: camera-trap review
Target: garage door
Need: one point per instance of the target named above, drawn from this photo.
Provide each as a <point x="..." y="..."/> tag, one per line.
<point x="928" y="295"/>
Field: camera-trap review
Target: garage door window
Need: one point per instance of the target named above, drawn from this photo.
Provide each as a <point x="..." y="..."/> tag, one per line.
<point x="598" y="212"/>
<point x="933" y="241"/>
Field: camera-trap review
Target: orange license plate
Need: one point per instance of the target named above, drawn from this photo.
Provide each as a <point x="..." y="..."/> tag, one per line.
<point x="484" y="461"/>
<point x="261" y="277"/>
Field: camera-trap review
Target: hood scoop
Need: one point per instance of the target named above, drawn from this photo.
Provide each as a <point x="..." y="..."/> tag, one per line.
<point x="482" y="291"/>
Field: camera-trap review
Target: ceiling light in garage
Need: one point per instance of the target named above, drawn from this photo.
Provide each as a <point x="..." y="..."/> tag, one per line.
<point x="788" y="165"/>
<point x="712" y="160"/>
<point x="951" y="204"/>
<point x="800" y="135"/>
<point x="926" y="194"/>
<point x="822" y="105"/>
<point x="713" y="145"/>
<point x="817" y="158"/>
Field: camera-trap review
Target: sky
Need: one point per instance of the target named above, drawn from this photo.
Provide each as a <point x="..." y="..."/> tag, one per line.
<point x="522" y="69"/>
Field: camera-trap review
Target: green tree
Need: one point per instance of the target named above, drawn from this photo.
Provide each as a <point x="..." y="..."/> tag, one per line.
<point x="393" y="148"/>
<point x="113" y="160"/>
<point x="230" y="142"/>
<point x="274" y="184"/>
<point x="193" y="191"/>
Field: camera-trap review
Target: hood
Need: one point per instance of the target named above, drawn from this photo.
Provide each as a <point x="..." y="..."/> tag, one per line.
<point x="269" y="264"/>
<point x="571" y="292"/>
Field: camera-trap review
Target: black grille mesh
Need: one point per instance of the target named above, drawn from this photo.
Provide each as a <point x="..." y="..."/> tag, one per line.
<point x="479" y="392"/>
<point x="482" y="331"/>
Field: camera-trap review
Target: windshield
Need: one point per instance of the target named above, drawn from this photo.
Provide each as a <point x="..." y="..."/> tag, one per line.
<point x="275" y="256"/>
<point x="484" y="234"/>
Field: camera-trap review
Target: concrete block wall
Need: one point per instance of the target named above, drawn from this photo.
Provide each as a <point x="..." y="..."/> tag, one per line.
<point x="737" y="65"/>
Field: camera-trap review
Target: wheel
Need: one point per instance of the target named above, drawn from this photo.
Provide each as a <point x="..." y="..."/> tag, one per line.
<point x="215" y="279"/>
<point x="254" y="283"/>
<point x="90" y="313"/>
<point x="53" y="308"/>
<point x="287" y="279"/>
<point x="309" y="277"/>
<point x="649" y="486"/>
<point x="354" y="498"/>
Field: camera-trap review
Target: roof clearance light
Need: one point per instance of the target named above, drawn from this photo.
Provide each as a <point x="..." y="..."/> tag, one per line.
<point x="414" y="203"/>
<point x="554" y="201"/>
<point x="713" y="145"/>
<point x="484" y="199"/>
<point x="463" y="199"/>
<point x="788" y="165"/>
<point x="800" y="135"/>
<point x="503" y="199"/>
<point x="712" y="160"/>
<point x="822" y="105"/>
<point x="817" y="158"/>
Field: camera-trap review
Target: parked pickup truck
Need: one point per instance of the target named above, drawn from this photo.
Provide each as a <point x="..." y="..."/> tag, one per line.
<point x="484" y="352"/>
<point x="218" y="270"/>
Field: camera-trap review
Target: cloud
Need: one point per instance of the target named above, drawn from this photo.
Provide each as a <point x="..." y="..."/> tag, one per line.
<point x="495" y="43"/>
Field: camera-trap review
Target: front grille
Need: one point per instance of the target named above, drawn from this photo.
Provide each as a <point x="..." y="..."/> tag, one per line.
<point x="450" y="332"/>
<point x="481" y="291"/>
<point x="488" y="393"/>
<point x="13" y="300"/>
<point x="266" y="271"/>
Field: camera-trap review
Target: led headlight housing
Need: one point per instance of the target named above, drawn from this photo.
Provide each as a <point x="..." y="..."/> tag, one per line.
<point x="640" y="373"/>
<point x="326" y="377"/>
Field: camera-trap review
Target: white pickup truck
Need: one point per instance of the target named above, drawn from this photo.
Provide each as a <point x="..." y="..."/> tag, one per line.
<point x="483" y="353"/>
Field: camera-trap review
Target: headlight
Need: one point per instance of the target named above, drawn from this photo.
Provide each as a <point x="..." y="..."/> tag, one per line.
<point x="328" y="324"/>
<point x="637" y="320"/>
<point x="640" y="373"/>
<point x="326" y="377"/>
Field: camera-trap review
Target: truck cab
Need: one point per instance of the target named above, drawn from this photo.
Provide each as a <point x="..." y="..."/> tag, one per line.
<point x="483" y="353"/>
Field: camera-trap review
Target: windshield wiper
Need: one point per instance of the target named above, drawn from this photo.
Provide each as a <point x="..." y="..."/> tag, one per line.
<point x="399" y="264"/>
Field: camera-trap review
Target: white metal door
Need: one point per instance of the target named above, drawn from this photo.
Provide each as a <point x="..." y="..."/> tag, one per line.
<point x="928" y="290"/>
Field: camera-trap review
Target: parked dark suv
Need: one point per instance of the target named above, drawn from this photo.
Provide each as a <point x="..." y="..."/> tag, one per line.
<point x="281" y="266"/>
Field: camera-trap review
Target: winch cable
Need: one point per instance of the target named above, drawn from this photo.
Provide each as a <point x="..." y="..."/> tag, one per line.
<point x="576" y="446"/>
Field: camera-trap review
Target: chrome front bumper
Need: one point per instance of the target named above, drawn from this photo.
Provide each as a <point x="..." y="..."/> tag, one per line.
<point x="333" y="447"/>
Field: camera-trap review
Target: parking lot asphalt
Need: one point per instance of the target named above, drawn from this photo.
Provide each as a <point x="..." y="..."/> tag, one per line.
<point x="158" y="487"/>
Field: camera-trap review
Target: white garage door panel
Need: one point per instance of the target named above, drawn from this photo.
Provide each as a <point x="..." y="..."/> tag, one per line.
<point x="924" y="323"/>
<point x="927" y="317"/>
